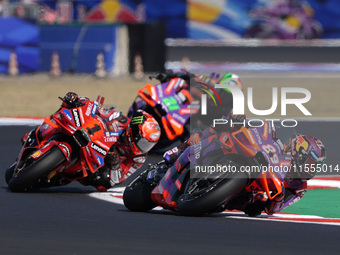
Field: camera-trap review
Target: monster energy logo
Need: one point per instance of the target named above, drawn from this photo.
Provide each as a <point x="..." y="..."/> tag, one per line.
<point x="137" y="120"/>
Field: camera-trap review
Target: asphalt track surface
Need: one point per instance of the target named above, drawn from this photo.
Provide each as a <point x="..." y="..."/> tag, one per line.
<point x="66" y="220"/>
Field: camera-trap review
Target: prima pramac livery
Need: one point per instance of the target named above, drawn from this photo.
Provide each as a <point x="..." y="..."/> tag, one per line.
<point x="250" y="169"/>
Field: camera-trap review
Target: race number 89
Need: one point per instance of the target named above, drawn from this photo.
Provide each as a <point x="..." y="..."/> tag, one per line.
<point x="271" y="151"/>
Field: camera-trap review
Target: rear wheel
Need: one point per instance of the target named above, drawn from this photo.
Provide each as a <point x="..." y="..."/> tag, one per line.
<point x="31" y="174"/>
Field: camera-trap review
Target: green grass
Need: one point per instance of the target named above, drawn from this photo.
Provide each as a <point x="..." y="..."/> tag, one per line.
<point x="320" y="202"/>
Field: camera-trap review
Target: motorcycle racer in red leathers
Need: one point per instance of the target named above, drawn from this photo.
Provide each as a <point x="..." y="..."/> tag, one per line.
<point x="137" y="136"/>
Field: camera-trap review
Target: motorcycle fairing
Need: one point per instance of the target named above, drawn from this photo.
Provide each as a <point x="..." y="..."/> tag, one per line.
<point x="248" y="143"/>
<point x="67" y="126"/>
<point x="173" y="112"/>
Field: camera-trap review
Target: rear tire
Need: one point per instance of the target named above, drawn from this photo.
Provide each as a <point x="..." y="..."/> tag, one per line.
<point x="30" y="175"/>
<point x="137" y="195"/>
<point x="213" y="196"/>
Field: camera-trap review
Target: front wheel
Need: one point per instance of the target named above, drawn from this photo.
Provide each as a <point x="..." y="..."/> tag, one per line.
<point x="137" y="195"/>
<point x="203" y="196"/>
<point x="10" y="172"/>
<point x="31" y="174"/>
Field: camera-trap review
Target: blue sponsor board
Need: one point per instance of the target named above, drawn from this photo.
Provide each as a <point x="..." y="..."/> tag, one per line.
<point x="211" y="19"/>
<point x="78" y="46"/>
<point x="22" y="38"/>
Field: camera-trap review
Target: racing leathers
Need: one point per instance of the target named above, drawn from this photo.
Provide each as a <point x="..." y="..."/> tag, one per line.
<point x="254" y="202"/>
<point x="120" y="162"/>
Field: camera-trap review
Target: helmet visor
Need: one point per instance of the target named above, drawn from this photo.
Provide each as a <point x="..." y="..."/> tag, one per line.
<point x="144" y="145"/>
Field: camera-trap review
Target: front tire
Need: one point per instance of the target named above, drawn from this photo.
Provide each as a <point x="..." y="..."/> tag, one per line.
<point x="209" y="198"/>
<point x="30" y="175"/>
<point x="10" y="172"/>
<point x="137" y="195"/>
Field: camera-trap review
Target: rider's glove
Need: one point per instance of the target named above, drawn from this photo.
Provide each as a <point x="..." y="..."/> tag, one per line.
<point x="71" y="100"/>
<point x="112" y="159"/>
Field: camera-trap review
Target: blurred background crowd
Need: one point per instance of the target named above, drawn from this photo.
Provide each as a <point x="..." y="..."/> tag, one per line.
<point x="81" y="31"/>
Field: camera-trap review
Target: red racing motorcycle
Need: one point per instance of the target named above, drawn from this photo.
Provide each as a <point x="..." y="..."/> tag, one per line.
<point x="69" y="145"/>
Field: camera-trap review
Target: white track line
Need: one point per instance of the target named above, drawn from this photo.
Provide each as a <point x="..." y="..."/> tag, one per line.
<point x="8" y="121"/>
<point x="113" y="196"/>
